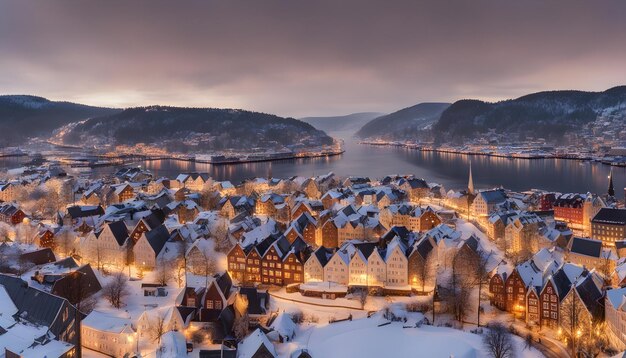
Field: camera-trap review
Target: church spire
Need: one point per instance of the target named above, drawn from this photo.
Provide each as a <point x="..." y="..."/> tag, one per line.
<point x="611" y="190"/>
<point x="470" y="184"/>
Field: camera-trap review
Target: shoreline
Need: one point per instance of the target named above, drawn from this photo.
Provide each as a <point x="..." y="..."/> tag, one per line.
<point x="129" y="159"/>
<point x="511" y="156"/>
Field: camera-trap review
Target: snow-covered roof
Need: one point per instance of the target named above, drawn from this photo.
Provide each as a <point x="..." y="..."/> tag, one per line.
<point x="617" y="297"/>
<point x="106" y="323"/>
<point x="284" y="325"/>
<point x="259" y="233"/>
<point x="7" y="308"/>
<point x="173" y="345"/>
<point x="250" y="345"/>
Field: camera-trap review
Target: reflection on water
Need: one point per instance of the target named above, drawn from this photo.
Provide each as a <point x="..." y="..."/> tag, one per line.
<point x="445" y="168"/>
<point x="12" y="162"/>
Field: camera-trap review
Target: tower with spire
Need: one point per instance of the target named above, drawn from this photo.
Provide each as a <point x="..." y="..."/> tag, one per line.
<point x="611" y="190"/>
<point x="470" y="184"/>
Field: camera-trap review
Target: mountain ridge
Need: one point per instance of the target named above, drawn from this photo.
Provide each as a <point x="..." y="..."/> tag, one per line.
<point x="24" y="116"/>
<point x="403" y="123"/>
<point x="548" y="113"/>
<point x="349" y="122"/>
<point x="183" y="129"/>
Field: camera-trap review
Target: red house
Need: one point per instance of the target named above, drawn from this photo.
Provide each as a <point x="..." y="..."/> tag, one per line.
<point x="11" y="214"/>
<point x="497" y="293"/>
<point x="515" y="294"/>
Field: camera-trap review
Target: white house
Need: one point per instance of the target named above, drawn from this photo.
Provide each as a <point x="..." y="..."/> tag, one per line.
<point x="615" y="313"/>
<point x="172" y="321"/>
<point x="149" y="246"/>
<point x="486" y="202"/>
<point x="108" y="247"/>
<point x="337" y="268"/>
<point x="377" y="269"/>
<point x="107" y="334"/>
<point x="358" y="269"/>
<point x="314" y="266"/>
<point x="397" y="264"/>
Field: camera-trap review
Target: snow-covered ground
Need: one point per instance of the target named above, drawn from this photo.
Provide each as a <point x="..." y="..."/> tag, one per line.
<point x="362" y="337"/>
<point x="376" y="337"/>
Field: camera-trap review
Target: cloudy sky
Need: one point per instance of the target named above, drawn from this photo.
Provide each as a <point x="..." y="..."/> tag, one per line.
<point x="302" y="57"/>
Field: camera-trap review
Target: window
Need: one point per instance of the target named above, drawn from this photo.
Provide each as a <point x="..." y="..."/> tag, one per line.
<point x="209" y="304"/>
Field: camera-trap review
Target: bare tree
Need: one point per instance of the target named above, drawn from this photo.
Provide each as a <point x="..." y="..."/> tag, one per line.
<point x="571" y="319"/>
<point x="498" y="341"/>
<point x="25" y="233"/>
<point x="459" y="287"/>
<point x="210" y="267"/>
<point x="164" y="272"/>
<point x="594" y="341"/>
<point x="425" y="272"/>
<point x="157" y="328"/>
<point x="116" y="290"/>
<point x="47" y="199"/>
<point x="209" y="199"/>
<point x="202" y="260"/>
<point x="5" y="231"/>
<point x="220" y="233"/>
<point x="502" y="243"/>
<point x="241" y="326"/>
<point x="481" y="276"/>
<point x="361" y="295"/>
<point x="528" y="341"/>
<point x="65" y="242"/>
<point x="181" y="271"/>
<point x="181" y="262"/>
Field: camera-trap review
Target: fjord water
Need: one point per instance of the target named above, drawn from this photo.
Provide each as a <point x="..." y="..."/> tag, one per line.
<point x="447" y="169"/>
<point x="378" y="161"/>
